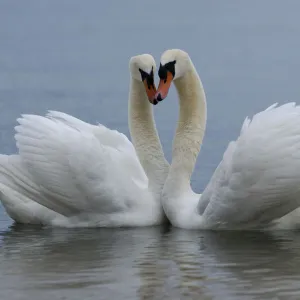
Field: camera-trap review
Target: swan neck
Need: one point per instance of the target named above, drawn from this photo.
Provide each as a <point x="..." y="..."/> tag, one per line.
<point x="190" y="128"/>
<point x="145" y="137"/>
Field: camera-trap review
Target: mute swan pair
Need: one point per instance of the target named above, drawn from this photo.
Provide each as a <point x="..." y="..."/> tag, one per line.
<point x="70" y="173"/>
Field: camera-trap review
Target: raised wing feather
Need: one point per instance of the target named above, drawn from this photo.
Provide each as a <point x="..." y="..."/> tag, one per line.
<point x="76" y="173"/>
<point x="258" y="179"/>
<point x="107" y="137"/>
<point x="19" y="193"/>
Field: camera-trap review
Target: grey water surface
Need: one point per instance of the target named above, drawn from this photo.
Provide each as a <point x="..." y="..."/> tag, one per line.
<point x="72" y="56"/>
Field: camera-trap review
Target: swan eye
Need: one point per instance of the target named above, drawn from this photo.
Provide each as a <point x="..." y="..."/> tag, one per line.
<point x="168" y="67"/>
<point x="162" y="72"/>
<point x="148" y="78"/>
<point x="144" y="74"/>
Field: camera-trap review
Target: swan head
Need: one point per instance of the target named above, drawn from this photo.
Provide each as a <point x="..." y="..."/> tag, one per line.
<point x="174" y="64"/>
<point x="142" y="68"/>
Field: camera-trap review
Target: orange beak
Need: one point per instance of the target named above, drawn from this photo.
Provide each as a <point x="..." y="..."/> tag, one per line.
<point x="150" y="91"/>
<point x="163" y="87"/>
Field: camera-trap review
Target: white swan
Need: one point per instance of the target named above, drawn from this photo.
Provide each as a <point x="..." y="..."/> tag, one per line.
<point x="71" y="173"/>
<point x="258" y="179"/>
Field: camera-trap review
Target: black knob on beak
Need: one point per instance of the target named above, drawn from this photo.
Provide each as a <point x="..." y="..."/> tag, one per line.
<point x="159" y="98"/>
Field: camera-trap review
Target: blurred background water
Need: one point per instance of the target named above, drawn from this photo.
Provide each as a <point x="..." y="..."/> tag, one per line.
<point x="72" y="56"/>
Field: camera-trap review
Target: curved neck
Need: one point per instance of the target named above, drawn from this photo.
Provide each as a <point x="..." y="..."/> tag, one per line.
<point x="190" y="130"/>
<point x="145" y="137"/>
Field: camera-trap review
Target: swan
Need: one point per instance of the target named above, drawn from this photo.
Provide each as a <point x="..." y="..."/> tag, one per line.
<point x="70" y="173"/>
<point x="258" y="180"/>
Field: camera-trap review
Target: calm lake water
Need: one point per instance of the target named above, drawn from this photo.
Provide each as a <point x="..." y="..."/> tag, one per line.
<point x="72" y="56"/>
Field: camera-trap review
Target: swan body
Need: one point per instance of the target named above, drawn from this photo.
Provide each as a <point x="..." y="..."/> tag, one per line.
<point x="257" y="183"/>
<point x="71" y="173"/>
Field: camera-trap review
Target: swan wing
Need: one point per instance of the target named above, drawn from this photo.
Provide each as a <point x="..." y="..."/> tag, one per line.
<point x="19" y="193"/>
<point x="74" y="171"/>
<point x="258" y="179"/>
<point x="107" y="137"/>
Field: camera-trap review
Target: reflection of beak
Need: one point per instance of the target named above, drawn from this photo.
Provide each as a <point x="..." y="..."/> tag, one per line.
<point x="150" y="91"/>
<point x="163" y="87"/>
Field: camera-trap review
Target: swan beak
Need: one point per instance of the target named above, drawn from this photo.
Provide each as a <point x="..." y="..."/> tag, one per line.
<point x="150" y="91"/>
<point x="163" y="87"/>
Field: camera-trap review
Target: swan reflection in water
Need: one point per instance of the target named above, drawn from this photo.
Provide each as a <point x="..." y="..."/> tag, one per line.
<point x="147" y="263"/>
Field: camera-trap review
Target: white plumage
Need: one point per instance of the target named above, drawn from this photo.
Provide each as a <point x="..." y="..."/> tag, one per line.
<point x="257" y="183"/>
<point x="71" y="173"/>
<point x="258" y="179"/>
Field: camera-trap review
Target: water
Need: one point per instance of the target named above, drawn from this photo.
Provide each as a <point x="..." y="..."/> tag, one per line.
<point x="72" y="56"/>
<point x="148" y="263"/>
